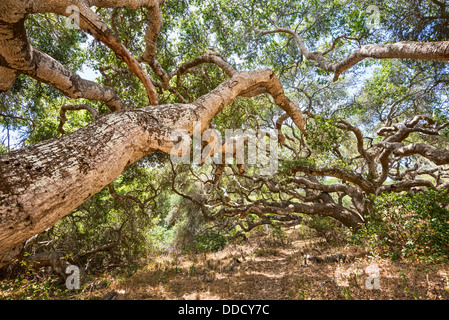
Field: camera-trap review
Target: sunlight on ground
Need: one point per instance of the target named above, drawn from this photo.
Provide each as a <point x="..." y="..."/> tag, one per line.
<point x="268" y="272"/>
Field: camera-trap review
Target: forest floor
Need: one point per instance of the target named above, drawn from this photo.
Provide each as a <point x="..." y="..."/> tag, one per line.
<point x="262" y="268"/>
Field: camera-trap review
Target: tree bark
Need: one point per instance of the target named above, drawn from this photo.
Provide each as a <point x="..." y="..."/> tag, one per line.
<point x="437" y="156"/>
<point x="41" y="184"/>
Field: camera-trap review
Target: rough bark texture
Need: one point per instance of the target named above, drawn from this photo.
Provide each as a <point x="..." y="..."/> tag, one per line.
<point x="41" y="184"/>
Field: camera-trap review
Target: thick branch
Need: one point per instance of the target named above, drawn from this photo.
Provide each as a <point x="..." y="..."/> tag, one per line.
<point x="405" y="185"/>
<point x="208" y="57"/>
<point x="42" y="183"/>
<point x="437" y="156"/>
<point x="244" y="82"/>
<point x="52" y="72"/>
<point x="354" y="178"/>
<point x="91" y="22"/>
<point x="7" y="78"/>
<point x="152" y="32"/>
<point x="400" y="50"/>
<point x="18" y="56"/>
<point x="333" y="210"/>
<point x="343" y="124"/>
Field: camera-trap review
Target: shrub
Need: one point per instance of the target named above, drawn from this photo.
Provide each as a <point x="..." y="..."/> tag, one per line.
<point x="209" y="241"/>
<point x="409" y="225"/>
<point x="329" y="229"/>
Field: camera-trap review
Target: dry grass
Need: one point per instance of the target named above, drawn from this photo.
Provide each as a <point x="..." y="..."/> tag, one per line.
<point x="279" y="273"/>
<point x="261" y="269"/>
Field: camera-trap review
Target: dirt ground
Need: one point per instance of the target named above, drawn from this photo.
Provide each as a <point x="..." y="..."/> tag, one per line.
<point x="265" y="270"/>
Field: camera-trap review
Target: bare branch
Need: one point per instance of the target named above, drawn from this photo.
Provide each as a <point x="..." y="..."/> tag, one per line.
<point x="343" y="124"/>
<point x="126" y="197"/>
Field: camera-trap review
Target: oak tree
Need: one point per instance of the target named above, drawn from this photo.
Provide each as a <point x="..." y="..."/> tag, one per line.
<point x="43" y="182"/>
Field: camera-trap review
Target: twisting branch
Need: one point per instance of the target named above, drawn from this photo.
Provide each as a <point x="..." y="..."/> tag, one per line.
<point x="437" y="156"/>
<point x="208" y="57"/>
<point x="399" y="132"/>
<point x="65" y="108"/>
<point x="92" y="23"/>
<point x="152" y="32"/>
<point x="125" y="197"/>
<point x="401" y="50"/>
<point x="42" y="67"/>
<point x="106" y="247"/>
<point x="335" y="43"/>
<point x="345" y="125"/>
<point x="217" y="59"/>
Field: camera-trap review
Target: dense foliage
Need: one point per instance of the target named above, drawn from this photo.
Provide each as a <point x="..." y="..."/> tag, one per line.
<point x="409" y="225"/>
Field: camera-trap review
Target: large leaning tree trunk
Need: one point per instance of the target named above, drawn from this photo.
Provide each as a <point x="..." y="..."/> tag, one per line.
<point x="41" y="184"/>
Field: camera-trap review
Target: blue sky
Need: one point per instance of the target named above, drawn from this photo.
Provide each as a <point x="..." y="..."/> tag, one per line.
<point x="14" y="135"/>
